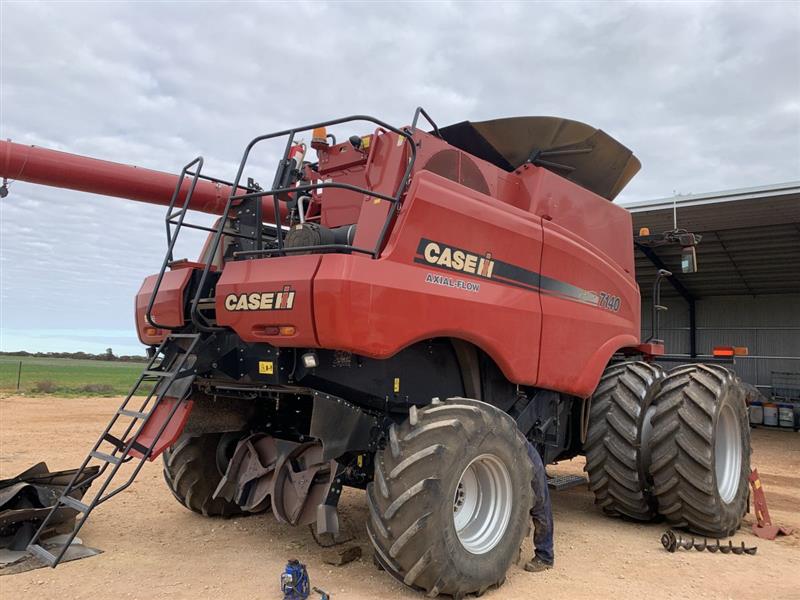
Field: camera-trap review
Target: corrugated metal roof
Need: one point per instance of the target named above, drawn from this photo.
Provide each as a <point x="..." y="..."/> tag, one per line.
<point x="750" y="245"/>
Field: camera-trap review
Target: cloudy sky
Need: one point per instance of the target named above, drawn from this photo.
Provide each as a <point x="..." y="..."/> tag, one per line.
<point x="706" y="94"/>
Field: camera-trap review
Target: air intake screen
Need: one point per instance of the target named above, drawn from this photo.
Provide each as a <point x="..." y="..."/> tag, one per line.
<point x="455" y="166"/>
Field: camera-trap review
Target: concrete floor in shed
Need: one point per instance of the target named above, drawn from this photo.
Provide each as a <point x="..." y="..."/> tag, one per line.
<point x="154" y="548"/>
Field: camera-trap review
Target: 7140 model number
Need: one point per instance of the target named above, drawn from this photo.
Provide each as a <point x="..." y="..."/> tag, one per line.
<point x="609" y="302"/>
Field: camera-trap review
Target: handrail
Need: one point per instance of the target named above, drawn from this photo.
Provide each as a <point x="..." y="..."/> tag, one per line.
<point x="291" y="133"/>
<point x="656" y="308"/>
<point x="172" y="238"/>
<point x="421" y="111"/>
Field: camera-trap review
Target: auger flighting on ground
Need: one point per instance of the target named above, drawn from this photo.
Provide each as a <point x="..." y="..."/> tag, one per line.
<point x="672" y="541"/>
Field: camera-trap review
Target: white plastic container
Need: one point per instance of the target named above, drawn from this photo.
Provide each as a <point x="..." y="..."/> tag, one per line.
<point x="786" y="415"/>
<point x="771" y="415"/>
<point x="756" y="413"/>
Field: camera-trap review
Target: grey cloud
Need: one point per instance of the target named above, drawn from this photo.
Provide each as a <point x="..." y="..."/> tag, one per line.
<point x="706" y="94"/>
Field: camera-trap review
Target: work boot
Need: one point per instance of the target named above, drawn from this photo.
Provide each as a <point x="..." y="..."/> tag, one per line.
<point x="537" y="565"/>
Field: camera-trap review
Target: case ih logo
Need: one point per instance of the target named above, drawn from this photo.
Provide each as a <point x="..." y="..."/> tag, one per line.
<point x="458" y="260"/>
<point x="283" y="300"/>
<point x="441" y="256"/>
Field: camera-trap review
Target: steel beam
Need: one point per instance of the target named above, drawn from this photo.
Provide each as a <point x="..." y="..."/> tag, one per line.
<point x="673" y="279"/>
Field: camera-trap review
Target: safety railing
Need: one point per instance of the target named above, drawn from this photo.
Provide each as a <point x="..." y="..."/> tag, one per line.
<point x="176" y="218"/>
<point x="302" y="188"/>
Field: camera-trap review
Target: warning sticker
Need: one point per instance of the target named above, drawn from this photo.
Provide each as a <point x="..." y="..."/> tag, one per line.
<point x="265" y="367"/>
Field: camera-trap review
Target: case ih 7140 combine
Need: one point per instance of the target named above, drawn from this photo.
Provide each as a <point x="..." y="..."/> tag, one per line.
<point x="398" y="313"/>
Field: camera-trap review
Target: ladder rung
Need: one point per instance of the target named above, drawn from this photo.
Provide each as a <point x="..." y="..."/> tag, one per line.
<point x="42" y="554"/>
<point x="132" y="413"/>
<point x="156" y="373"/>
<point x="183" y="335"/>
<point x="73" y="503"/>
<point x="114" y="460"/>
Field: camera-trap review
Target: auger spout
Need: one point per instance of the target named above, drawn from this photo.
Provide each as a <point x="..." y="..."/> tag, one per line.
<point x="19" y="162"/>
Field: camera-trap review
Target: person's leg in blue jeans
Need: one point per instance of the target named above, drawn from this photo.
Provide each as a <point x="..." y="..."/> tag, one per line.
<point x="542" y="515"/>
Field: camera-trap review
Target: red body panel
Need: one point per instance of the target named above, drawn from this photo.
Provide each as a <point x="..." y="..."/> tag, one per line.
<point x="560" y="300"/>
<point x="344" y="164"/>
<point x="378" y="307"/>
<point x="277" y="292"/>
<point x="601" y="225"/>
<point x="168" y="306"/>
<point x="575" y="329"/>
<point x="171" y="432"/>
<point x="385" y="167"/>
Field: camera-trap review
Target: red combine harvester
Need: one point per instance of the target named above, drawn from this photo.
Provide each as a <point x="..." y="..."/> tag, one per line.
<point x="399" y="315"/>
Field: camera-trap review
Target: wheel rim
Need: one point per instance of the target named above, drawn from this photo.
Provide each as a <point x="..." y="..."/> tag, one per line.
<point x="482" y="504"/>
<point x="728" y="454"/>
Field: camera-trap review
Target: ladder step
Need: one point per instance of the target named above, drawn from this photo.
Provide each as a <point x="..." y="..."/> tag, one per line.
<point x="73" y="503"/>
<point x="185" y="336"/>
<point x="114" y="460"/>
<point x="156" y="373"/>
<point x="132" y="413"/>
<point x="42" y="554"/>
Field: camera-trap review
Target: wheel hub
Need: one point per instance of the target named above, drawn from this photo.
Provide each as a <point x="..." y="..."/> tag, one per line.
<point x="482" y="504"/>
<point x="728" y="454"/>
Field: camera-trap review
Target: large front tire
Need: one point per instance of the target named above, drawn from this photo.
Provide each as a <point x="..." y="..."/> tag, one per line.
<point x="701" y="450"/>
<point x="450" y="503"/>
<point x="192" y="472"/>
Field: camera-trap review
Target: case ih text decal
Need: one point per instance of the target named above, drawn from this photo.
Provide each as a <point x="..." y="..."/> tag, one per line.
<point x="283" y="300"/>
<point x="457" y="260"/>
<point x="442" y="256"/>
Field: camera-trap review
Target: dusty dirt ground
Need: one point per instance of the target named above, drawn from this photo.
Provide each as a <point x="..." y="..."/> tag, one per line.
<point x="154" y="548"/>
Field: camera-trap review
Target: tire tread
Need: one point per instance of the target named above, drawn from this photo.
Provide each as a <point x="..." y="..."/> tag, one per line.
<point x="614" y="461"/>
<point x="683" y="450"/>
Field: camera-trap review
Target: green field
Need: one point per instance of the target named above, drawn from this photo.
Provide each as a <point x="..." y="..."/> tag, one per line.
<point x="67" y="376"/>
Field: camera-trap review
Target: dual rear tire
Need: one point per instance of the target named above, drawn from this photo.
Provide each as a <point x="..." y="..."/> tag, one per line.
<point x="616" y="440"/>
<point x="700" y="457"/>
<point x="675" y="444"/>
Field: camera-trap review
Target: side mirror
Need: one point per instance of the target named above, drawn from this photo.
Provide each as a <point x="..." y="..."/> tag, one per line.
<point x="688" y="259"/>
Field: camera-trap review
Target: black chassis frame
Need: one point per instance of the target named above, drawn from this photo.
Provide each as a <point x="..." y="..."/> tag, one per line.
<point x="349" y="401"/>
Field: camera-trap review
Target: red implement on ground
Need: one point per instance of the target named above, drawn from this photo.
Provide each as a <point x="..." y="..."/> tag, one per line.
<point x="764" y="528"/>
